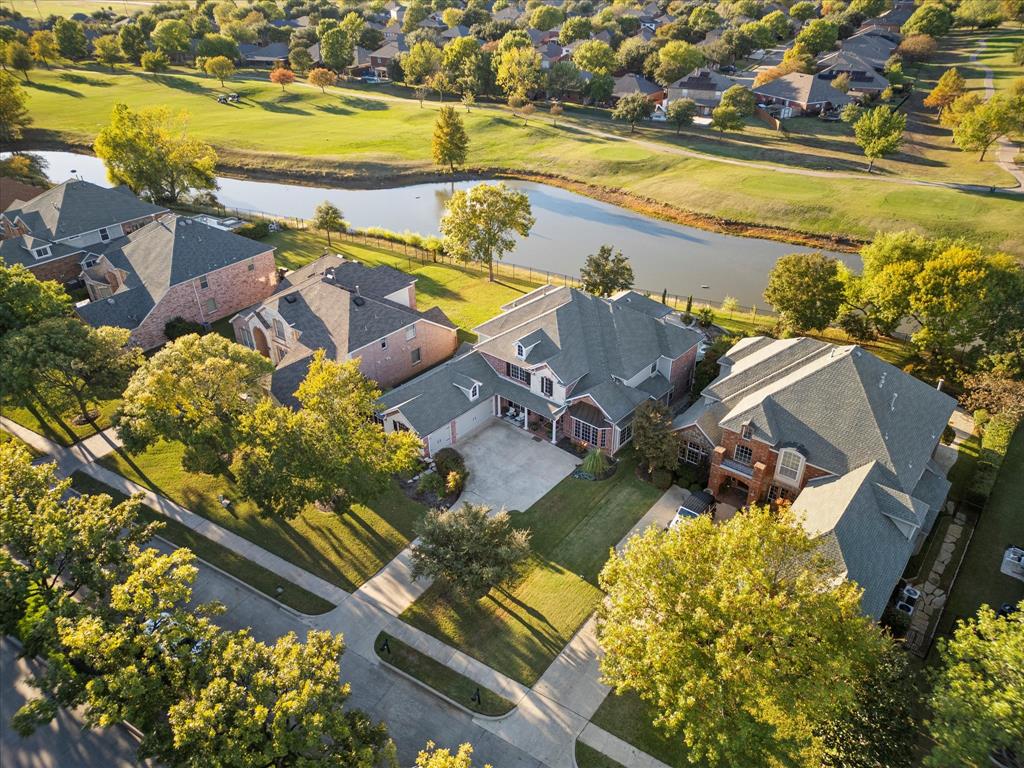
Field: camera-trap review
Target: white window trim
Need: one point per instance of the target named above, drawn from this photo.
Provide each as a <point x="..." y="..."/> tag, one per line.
<point x="786" y="452"/>
<point x="42" y="252"/>
<point x="415" y="356"/>
<point x="737" y="459"/>
<point x="410" y="333"/>
<point x="520" y="351"/>
<point x="474" y="392"/>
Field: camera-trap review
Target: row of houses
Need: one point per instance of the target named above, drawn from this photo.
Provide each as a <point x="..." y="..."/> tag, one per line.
<point x="850" y="440"/>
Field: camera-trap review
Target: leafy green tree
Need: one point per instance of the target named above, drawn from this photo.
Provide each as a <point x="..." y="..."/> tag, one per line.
<point x="68" y="364"/>
<point x="976" y="717"/>
<point x="300" y="60"/>
<point x="14" y="115"/>
<point x="948" y="89"/>
<point x="468" y="548"/>
<point x="739" y="98"/>
<point x="978" y="129"/>
<point x="26" y="300"/>
<point x="330" y="451"/>
<point x="681" y="112"/>
<point x="172" y="37"/>
<point x="878" y="727"/>
<point x="545" y="17"/>
<point x="220" y="67"/>
<point x="677" y="59"/>
<point x="155" y="61"/>
<point x="726" y="118"/>
<point x="107" y="50"/>
<point x="433" y="756"/>
<point x="563" y="78"/>
<point x="519" y="71"/>
<point x="212" y="45"/>
<point x="479" y="223"/>
<point x="327" y="217"/>
<point x="18" y="58"/>
<point x="43" y="46"/>
<point x="461" y="57"/>
<point x="953" y="114"/>
<point x="739" y="635"/>
<point x="655" y="442"/>
<point x="606" y="272"/>
<point x="879" y="132"/>
<point x="575" y="28"/>
<point x="132" y="41"/>
<point x="806" y="290"/>
<point x="704" y="18"/>
<point x="932" y="19"/>
<point x="632" y="108"/>
<point x="422" y="61"/>
<point x="450" y="143"/>
<point x="818" y="36"/>
<point x="337" y="49"/>
<point x="803" y="11"/>
<point x="70" y="37"/>
<point x="594" y="56"/>
<point x="193" y="391"/>
<point x="151" y="151"/>
<point x="600" y="88"/>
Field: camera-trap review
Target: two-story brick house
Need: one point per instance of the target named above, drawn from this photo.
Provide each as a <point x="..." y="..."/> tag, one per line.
<point x="557" y="361"/>
<point x="849" y="439"/>
<point x="169" y="268"/>
<point x="51" y="233"/>
<point x="351" y="311"/>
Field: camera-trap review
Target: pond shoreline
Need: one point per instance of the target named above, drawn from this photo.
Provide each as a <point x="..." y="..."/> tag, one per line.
<point x="255" y="166"/>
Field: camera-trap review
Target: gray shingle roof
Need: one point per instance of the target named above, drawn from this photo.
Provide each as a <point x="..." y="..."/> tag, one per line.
<point x="167" y="252"/>
<point x="632" y="83"/>
<point x="856" y="516"/>
<point x="802" y="88"/>
<point x="76" y="207"/>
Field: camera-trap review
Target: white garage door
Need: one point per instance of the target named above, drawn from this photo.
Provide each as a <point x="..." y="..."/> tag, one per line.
<point x="468" y="422"/>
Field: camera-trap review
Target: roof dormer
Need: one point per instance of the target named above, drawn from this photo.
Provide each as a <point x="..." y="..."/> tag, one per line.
<point x="470" y="387"/>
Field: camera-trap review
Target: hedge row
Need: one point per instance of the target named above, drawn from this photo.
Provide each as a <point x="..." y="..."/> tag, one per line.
<point x="994" y="443"/>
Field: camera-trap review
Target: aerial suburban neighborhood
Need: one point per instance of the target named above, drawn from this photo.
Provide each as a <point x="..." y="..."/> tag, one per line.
<point x="512" y="383"/>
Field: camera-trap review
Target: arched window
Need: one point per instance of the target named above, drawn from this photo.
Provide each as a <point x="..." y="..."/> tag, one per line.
<point x="790" y="465"/>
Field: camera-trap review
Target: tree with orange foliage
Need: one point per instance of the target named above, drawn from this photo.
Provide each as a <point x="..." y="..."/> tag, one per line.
<point x="282" y="77"/>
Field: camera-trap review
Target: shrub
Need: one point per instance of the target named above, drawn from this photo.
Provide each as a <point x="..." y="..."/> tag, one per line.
<point x="178" y="326"/>
<point x="454" y="483"/>
<point x="856" y="325"/>
<point x="705" y="317"/>
<point x="686" y="475"/>
<point x="661" y="479"/>
<point x="448" y="460"/>
<point x="595" y="464"/>
<point x="155" y="61"/>
<point x="994" y="444"/>
<point x="254" y="230"/>
<point x="948" y="435"/>
<point x="431" y="483"/>
<point x="981" y="418"/>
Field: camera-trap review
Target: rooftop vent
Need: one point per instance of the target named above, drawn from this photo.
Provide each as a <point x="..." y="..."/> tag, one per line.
<point x="291" y="298"/>
<point x="892" y="404"/>
<point x="881" y="381"/>
<point x="358" y="300"/>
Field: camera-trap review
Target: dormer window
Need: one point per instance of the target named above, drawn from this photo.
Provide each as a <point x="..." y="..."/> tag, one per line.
<point x="520" y="351"/>
<point x="746" y="432"/>
<point x="104" y="234"/>
<point x="42" y="252"/>
<point x="654" y="367"/>
<point x="279" y="329"/>
<point x="474" y="392"/>
<point x="790" y="465"/>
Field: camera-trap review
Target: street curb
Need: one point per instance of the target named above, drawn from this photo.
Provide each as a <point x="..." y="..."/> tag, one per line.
<point x="440" y="695"/>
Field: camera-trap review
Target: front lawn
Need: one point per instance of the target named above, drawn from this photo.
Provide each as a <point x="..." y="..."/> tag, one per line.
<point x="631" y="719"/>
<point x="345" y="549"/>
<point x="1001" y="524"/>
<point x="55" y="427"/>
<point x="216" y="554"/>
<point x="587" y="757"/>
<point x="519" y="629"/>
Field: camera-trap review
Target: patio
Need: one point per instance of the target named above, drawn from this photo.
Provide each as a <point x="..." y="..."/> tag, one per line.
<point x="510" y="467"/>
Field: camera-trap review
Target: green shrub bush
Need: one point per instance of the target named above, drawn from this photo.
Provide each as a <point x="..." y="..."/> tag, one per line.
<point x="177" y="327"/>
<point x="433" y="483"/>
<point x="254" y="230"/>
<point x="448" y="460"/>
<point x="595" y="463"/>
<point x="994" y="444"/>
<point x="661" y="479"/>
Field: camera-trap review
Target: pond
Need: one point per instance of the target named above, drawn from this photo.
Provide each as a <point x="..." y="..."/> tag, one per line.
<point x="685" y="260"/>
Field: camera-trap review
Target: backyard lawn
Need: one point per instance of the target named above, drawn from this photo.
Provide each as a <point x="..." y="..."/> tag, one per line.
<point x="518" y="630"/>
<point x="344" y="549"/>
<point x="57" y="428"/>
<point x="631" y="719"/>
<point x="373" y="135"/>
<point x="1001" y="524"/>
<point x="216" y="555"/>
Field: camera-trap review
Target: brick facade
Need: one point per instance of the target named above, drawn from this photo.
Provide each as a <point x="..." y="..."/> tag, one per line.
<point x="392" y="365"/>
<point x="681" y="374"/>
<point x="63" y="270"/>
<point x="762" y="470"/>
<point x="231" y="288"/>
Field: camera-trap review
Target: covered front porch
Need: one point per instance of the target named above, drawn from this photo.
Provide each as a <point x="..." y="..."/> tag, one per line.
<point x="545" y="424"/>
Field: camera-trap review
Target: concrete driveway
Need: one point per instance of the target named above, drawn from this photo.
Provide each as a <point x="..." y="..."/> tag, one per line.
<point x="509" y="468"/>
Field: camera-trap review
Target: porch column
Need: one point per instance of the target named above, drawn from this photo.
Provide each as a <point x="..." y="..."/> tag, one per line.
<point x="526" y="418"/>
<point x="554" y="430"/>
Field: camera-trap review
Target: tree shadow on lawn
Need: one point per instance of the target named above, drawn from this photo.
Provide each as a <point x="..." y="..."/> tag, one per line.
<point x="334" y="109"/>
<point x="281" y="106"/>
<point x="547" y="636"/>
<point x="180" y="83"/>
<point x="71" y="77"/>
<point x="55" y="89"/>
<point x="367" y="105"/>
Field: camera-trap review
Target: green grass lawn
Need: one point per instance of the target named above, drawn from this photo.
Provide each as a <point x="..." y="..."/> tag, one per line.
<point x="217" y="555"/>
<point x="591" y="758"/>
<point x="997" y="55"/>
<point x="368" y="134"/>
<point x="631" y="719"/>
<point x="344" y="549"/>
<point x="518" y="630"/>
<point x="58" y="428"/>
<point x="439" y="677"/>
<point x="1000" y="525"/>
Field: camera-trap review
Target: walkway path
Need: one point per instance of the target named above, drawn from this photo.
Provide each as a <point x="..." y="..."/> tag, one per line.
<point x="1006" y="150"/>
<point x="547" y="719"/>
